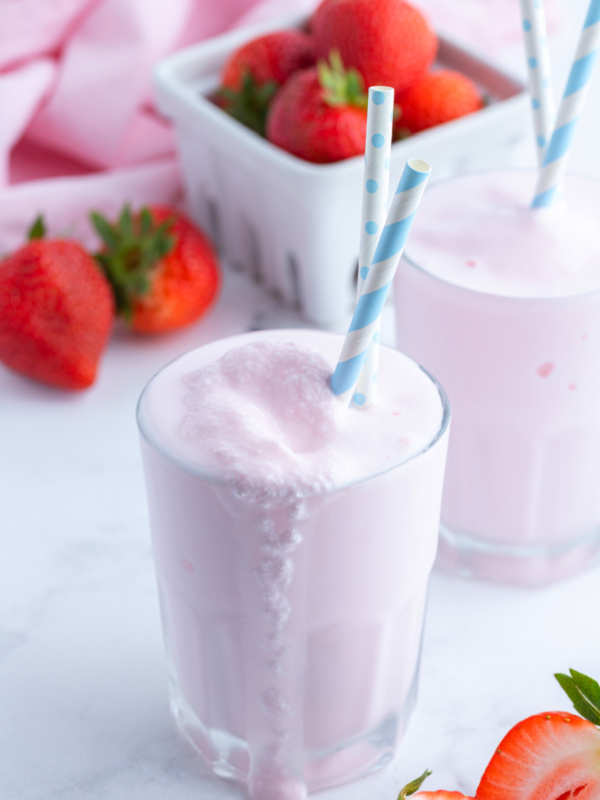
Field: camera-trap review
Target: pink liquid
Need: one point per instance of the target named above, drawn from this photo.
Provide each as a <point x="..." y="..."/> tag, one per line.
<point x="293" y="540"/>
<point x="504" y="308"/>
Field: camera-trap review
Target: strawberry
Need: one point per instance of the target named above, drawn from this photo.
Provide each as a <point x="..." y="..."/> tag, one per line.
<point x="273" y="57"/>
<point x="388" y="41"/>
<point x="255" y="71"/>
<point x="56" y="312"/>
<point x="440" y="794"/>
<point x="436" y="98"/>
<point x="320" y="114"/>
<point x="162" y="269"/>
<point x="551" y="756"/>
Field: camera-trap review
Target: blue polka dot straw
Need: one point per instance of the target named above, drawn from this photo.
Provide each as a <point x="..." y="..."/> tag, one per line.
<point x="376" y="178"/>
<point x="366" y="317"/>
<point x="539" y="78"/>
<point x="558" y="150"/>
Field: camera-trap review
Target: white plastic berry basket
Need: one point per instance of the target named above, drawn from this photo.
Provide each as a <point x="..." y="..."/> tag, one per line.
<point x="290" y="224"/>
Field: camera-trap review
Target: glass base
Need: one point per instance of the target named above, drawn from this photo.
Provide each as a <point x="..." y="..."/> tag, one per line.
<point x="346" y="761"/>
<point x="465" y="556"/>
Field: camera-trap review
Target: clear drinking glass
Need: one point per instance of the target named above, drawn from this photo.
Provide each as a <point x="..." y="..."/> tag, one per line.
<point x="293" y="631"/>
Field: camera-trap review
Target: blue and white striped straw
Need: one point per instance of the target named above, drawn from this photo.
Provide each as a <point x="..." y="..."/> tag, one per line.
<point x="376" y="179"/>
<point x="557" y="154"/>
<point x="365" y="320"/>
<point x="539" y="73"/>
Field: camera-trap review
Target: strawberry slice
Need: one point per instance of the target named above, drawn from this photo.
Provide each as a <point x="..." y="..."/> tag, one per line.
<point x="550" y="756"/>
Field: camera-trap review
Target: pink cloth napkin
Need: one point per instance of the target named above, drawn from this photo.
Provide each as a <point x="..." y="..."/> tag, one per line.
<point x="78" y="130"/>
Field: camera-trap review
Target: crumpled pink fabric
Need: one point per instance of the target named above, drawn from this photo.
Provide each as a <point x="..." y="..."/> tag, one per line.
<point x="78" y="130"/>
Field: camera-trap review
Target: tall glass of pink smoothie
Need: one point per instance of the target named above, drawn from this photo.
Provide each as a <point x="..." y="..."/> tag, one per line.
<point x="293" y="541"/>
<point x="502" y="304"/>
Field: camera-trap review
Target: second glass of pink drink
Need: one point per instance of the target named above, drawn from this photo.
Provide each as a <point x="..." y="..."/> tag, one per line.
<point x="502" y="304"/>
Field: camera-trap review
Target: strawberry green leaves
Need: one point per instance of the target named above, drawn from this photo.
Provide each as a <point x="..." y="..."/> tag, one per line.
<point x="37" y="230"/>
<point x="250" y="104"/>
<point x="413" y="786"/>
<point x="583" y="692"/>
<point x="133" y="246"/>
<point x="341" y="86"/>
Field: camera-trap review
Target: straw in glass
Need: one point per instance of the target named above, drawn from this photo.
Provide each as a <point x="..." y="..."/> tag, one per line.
<point x="376" y="178"/>
<point x="539" y="73"/>
<point x="558" y="151"/>
<point x="367" y="313"/>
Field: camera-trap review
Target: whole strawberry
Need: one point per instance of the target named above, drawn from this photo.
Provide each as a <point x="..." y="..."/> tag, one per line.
<point x="551" y="756"/>
<point x="256" y="70"/>
<point x="388" y="41"/>
<point x="320" y="114"/>
<point x="56" y="312"/>
<point x="162" y="269"/>
<point x="441" y="794"/>
<point x="414" y="786"/>
<point x="436" y="98"/>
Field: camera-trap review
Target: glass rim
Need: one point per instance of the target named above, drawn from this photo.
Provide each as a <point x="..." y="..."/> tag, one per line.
<point x="533" y="299"/>
<point x="197" y="472"/>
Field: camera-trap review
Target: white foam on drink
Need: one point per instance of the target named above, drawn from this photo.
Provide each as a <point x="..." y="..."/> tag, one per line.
<point x="260" y="415"/>
<point x="478" y="232"/>
<point x="263" y="419"/>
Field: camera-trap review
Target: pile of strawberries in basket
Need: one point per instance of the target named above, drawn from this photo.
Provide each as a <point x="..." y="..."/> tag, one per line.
<point x="305" y="90"/>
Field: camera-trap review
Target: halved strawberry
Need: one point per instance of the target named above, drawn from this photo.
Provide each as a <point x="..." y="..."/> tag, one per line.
<point x="550" y="756"/>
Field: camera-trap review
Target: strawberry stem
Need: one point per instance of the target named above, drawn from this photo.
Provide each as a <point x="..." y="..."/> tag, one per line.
<point x="250" y="104"/>
<point x="341" y="86"/>
<point x="37" y="230"/>
<point x="133" y="248"/>
<point x="414" y="786"/>
<point x="583" y="692"/>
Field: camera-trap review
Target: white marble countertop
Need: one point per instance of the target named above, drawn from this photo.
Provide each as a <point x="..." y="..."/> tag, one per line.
<point x="83" y="698"/>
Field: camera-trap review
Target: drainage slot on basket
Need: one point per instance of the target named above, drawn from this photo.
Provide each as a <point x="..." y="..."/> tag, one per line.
<point x="255" y="260"/>
<point x="214" y="218"/>
<point x="354" y="278"/>
<point x="294" y="273"/>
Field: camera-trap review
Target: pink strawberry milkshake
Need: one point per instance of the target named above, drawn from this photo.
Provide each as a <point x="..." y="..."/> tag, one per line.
<point x="293" y="541"/>
<point x="502" y="304"/>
